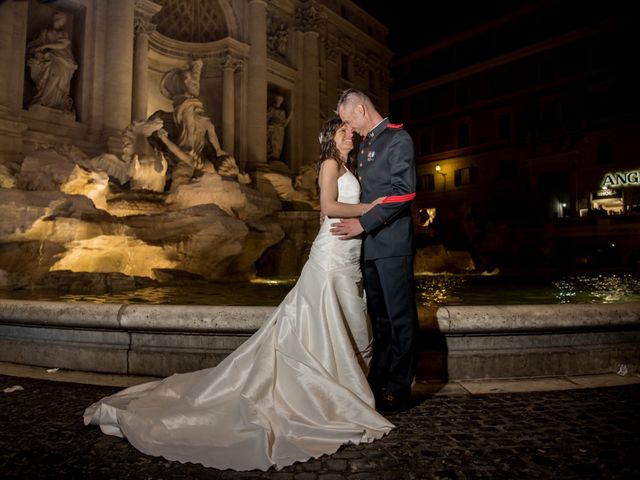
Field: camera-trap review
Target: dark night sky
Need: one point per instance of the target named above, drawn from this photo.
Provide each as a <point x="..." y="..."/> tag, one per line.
<point x="411" y="27"/>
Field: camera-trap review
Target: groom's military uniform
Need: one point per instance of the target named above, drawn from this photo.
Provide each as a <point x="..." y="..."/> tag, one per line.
<point x="386" y="167"/>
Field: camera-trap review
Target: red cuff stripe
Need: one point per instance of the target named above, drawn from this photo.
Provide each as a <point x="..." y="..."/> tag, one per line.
<point x="399" y="198"/>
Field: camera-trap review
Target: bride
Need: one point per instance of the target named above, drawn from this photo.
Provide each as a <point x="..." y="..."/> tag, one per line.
<point x="297" y="388"/>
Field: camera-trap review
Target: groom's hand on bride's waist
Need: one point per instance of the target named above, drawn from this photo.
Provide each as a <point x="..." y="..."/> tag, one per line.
<point x="347" y="228"/>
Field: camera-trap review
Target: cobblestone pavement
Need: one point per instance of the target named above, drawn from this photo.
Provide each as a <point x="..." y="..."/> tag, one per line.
<point x="586" y="433"/>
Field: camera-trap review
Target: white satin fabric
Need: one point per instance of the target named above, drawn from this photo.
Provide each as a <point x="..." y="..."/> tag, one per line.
<point x="296" y="389"/>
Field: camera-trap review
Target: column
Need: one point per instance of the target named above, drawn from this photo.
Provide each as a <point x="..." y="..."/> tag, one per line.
<point x="311" y="98"/>
<point x="6" y="41"/>
<point x="229" y="66"/>
<point x="13" y="37"/>
<point x="144" y="10"/>
<point x="257" y="85"/>
<point x="310" y="22"/>
<point x="331" y="60"/>
<point x="118" y="72"/>
<point x="140" y="68"/>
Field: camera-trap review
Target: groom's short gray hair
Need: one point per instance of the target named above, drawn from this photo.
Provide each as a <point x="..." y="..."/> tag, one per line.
<point x="352" y="96"/>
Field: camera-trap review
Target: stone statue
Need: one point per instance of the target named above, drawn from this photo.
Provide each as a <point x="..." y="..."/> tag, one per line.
<point x="277" y="121"/>
<point x="189" y="137"/>
<point x="306" y="182"/>
<point x="277" y="36"/>
<point x="301" y="190"/>
<point x="184" y="82"/>
<point x="147" y="165"/>
<point x="52" y="66"/>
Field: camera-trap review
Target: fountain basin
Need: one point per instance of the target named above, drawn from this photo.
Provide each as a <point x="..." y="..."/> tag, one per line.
<point x="456" y="342"/>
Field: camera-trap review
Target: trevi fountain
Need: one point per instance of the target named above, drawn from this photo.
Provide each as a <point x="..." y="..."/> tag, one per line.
<point x="171" y="141"/>
<point x="164" y="143"/>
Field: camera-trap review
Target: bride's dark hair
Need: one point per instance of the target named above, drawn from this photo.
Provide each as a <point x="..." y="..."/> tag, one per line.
<point x="328" y="148"/>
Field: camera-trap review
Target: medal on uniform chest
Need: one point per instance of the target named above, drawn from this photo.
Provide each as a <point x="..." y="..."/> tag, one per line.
<point x="371" y="155"/>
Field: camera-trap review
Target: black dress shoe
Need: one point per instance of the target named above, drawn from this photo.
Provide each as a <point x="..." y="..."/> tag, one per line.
<point x="392" y="403"/>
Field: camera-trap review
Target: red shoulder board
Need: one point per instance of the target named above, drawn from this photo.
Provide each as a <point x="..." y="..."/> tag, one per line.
<point x="395" y="125"/>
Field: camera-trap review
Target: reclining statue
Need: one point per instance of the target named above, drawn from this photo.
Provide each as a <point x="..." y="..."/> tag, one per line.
<point x="188" y="137"/>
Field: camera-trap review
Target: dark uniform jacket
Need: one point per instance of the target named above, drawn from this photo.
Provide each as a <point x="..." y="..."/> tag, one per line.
<point x="386" y="166"/>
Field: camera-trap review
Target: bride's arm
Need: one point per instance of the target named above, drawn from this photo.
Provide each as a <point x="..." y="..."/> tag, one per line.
<point x="329" y="205"/>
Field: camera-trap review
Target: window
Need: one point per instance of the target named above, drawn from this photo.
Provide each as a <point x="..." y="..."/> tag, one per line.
<point x="463" y="54"/>
<point x="422" y="105"/>
<point x="604" y="154"/>
<point x="548" y="69"/>
<point x="462" y="95"/>
<point x="504" y="126"/>
<point x="463" y="135"/>
<point x="344" y="66"/>
<point x="426" y="182"/>
<point x="502" y="82"/>
<point x="507" y="169"/>
<point x="466" y="176"/>
<point x="599" y="100"/>
<point x="550" y="113"/>
<point x="425" y="144"/>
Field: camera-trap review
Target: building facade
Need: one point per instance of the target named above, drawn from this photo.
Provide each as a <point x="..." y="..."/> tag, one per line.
<point x="526" y="116"/>
<point x="305" y="52"/>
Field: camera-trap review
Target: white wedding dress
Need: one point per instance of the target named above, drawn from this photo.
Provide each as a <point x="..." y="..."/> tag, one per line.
<point x="295" y="390"/>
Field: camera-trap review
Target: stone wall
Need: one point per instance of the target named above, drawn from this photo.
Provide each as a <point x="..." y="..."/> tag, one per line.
<point x="456" y="342"/>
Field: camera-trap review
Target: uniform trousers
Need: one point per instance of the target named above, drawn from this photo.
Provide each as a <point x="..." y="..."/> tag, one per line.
<point x="391" y="302"/>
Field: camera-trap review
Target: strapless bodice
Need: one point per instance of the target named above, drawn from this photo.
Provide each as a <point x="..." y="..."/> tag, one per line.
<point x="328" y="251"/>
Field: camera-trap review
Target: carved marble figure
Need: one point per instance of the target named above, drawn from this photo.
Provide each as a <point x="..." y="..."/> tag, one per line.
<point x="189" y="136"/>
<point x="147" y="165"/>
<point x="277" y="121"/>
<point x="52" y="65"/>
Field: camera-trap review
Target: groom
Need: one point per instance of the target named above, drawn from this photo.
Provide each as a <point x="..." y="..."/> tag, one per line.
<point x="385" y="167"/>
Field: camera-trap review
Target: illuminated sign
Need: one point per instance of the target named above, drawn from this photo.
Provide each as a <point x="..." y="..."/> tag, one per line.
<point x="621" y="179"/>
<point x="600" y="194"/>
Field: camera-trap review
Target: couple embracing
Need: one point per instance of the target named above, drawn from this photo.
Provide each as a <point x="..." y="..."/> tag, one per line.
<point x="330" y="360"/>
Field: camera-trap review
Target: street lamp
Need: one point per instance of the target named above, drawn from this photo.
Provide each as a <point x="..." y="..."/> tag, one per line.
<point x="444" y="177"/>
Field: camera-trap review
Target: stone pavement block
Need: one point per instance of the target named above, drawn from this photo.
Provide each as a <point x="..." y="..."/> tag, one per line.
<point x="421" y="388"/>
<point x="605" y="380"/>
<point x="72" y="376"/>
<point x="569" y="434"/>
<point x="518" y="385"/>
